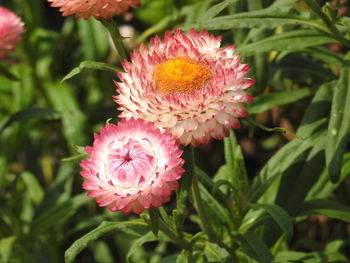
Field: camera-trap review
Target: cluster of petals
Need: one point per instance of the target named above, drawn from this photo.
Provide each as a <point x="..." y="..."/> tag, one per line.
<point x="11" y="28"/>
<point x="196" y="114"/>
<point x="132" y="166"/>
<point x="100" y="9"/>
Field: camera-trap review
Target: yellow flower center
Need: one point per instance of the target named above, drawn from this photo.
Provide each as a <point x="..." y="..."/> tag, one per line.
<point x="181" y="74"/>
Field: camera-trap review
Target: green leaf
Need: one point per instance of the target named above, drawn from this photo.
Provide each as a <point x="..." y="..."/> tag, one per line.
<point x="324" y="187"/>
<point x="183" y="257"/>
<point x="58" y="214"/>
<point x="149" y="237"/>
<point x="34" y="189"/>
<point x="330" y="57"/>
<point x="307" y="257"/>
<point x="264" y="18"/>
<point x="102" y="253"/>
<point x="104" y="228"/>
<point x="215" y="10"/>
<point x="7" y="73"/>
<point x="65" y="101"/>
<point x="154" y="220"/>
<point x="265" y="102"/>
<point x="185" y="182"/>
<point x="310" y="132"/>
<point x="90" y="65"/>
<point x="215" y="194"/>
<point x="215" y="210"/>
<point x="29" y="114"/>
<point x="6" y="245"/>
<point x="328" y="208"/>
<point x="287" y="41"/>
<point x="255" y="247"/>
<point x="282" y="160"/>
<point x="279" y="215"/>
<point x="235" y="163"/>
<point x="214" y="253"/>
<point x="339" y="125"/>
<point x="317" y="110"/>
<point x="295" y="185"/>
<point x="94" y="39"/>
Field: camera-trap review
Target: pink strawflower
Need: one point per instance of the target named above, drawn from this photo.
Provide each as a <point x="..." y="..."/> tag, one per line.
<point x="11" y="28"/>
<point x="100" y="9"/>
<point x="132" y="166"/>
<point x="187" y="85"/>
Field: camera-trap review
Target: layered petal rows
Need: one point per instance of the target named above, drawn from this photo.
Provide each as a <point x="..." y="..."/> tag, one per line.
<point x="186" y="85"/>
<point x="100" y="9"/>
<point x="11" y="28"/>
<point x="132" y="166"/>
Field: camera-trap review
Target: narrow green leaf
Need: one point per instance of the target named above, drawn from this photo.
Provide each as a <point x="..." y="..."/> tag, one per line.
<point x="184" y="257"/>
<point x="317" y="110"/>
<point x="94" y="39"/>
<point x="186" y="180"/>
<point x="324" y="187"/>
<point x="34" y="189"/>
<point x="254" y="246"/>
<point x="7" y="73"/>
<point x="295" y="185"/>
<point x="29" y="114"/>
<point x="216" y="192"/>
<point x="235" y="162"/>
<point x="149" y="237"/>
<point x="336" y="245"/>
<point x="89" y="65"/>
<point x="279" y="215"/>
<point x="281" y="161"/>
<point x="307" y="257"/>
<point x="6" y="245"/>
<point x="339" y="125"/>
<point x="58" y="213"/>
<point x="267" y="101"/>
<point x="287" y="41"/>
<point x="328" y="208"/>
<point x="219" y="216"/>
<point x="264" y="18"/>
<point x="65" y="101"/>
<point x="215" y="10"/>
<point x="310" y="132"/>
<point x="325" y="54"/>
<point x="154" y="218"/>
<point x="214" y="253"/>
<point x="104" y="228"/>
<point x="102" y="252"/>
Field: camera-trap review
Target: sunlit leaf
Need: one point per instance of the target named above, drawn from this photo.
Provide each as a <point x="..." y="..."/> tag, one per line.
<point x="103" y="229"/>
<point x="89" y="65"/>
<point x="339" y="125"/>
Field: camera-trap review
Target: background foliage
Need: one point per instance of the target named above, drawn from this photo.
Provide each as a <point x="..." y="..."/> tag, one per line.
<point x="278" y="194"/>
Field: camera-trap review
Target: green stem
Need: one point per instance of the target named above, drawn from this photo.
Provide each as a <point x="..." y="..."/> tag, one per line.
<point x="113" y="29"/>
<point x="334" y="30"/>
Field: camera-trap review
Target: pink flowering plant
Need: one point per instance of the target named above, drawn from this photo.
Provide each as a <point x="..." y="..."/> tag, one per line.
<point x="174" y="131"/>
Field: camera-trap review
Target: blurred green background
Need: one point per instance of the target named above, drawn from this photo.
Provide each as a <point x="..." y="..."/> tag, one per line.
<point x="45" y="121"/>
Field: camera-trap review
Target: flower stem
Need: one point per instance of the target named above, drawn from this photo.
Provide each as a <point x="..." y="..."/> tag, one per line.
<point x="113" y="29"/>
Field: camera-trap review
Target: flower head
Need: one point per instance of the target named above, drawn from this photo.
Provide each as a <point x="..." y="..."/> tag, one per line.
<point x="11" y="28"/>
<point x="132" y="166"/>
<point x="100" y="9"/>
<point x="187" y="85"/>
